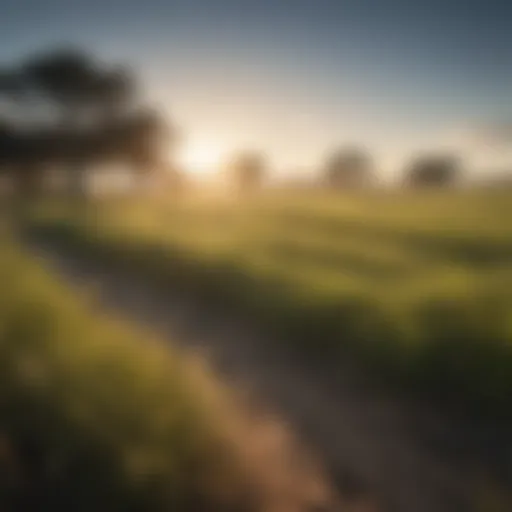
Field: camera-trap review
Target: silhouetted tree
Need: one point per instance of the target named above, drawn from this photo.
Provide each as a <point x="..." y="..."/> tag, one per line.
<point x="21" y="157"/>
<point x="247" y="171"/>
<point x="347" y="168"/>
<point x="91" y="114"/>
<point x="432" y="170"/>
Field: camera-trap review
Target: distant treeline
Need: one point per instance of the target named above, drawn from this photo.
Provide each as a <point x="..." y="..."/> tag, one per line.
<point x="67" y="110"/>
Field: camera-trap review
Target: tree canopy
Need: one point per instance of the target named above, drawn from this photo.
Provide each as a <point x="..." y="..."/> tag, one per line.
<point x="433" y="170"/>
<point x="347" y="167"/>
<point x="247" y="170"/>
<point x="69" y="109"/>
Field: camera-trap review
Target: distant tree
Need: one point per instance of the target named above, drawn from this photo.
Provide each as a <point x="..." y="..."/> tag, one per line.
<point x="349" y="167"/>
<point x="247" y="171"/>
<point x="86" y="112"/>
<point x="432" y="170"/>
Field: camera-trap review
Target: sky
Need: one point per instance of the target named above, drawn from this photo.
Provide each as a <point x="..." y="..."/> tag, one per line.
<point x="297" y="78"/>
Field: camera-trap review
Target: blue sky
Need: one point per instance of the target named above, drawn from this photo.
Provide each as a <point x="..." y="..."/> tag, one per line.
<point x="297" y="77"/>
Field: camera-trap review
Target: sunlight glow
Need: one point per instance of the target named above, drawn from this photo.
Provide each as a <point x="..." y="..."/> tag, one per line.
<point x="201" y="157"/>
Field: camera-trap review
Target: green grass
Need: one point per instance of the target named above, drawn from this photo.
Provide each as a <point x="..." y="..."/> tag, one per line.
<point x="417" y="285"/>
<point x="97" y="416"/>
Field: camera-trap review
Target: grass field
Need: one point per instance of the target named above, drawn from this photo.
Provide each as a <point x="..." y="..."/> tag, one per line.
<point x="417" y="284"/>
<point x="95" y="415"/>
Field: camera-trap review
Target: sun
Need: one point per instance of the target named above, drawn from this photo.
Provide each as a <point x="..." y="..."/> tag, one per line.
<point x="201" y="156"/>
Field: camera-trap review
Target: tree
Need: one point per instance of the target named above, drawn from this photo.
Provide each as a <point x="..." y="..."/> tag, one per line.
<point x="347" y="168"/>
<point x="247" y="171"/>
<point x="435" y="170"/>
<point x="14" y="152"/>
<point x="92" y="108"/>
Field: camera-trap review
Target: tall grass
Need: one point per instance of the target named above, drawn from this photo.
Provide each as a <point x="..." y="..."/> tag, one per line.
<point x="97" y="416"/>
<point x="418" y="286"/>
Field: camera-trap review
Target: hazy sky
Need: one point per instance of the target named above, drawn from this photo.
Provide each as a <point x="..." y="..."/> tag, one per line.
<point x="297" y="77"/>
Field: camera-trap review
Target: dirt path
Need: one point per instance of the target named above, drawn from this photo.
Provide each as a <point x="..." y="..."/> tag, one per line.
<point x="405" y="458"/>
